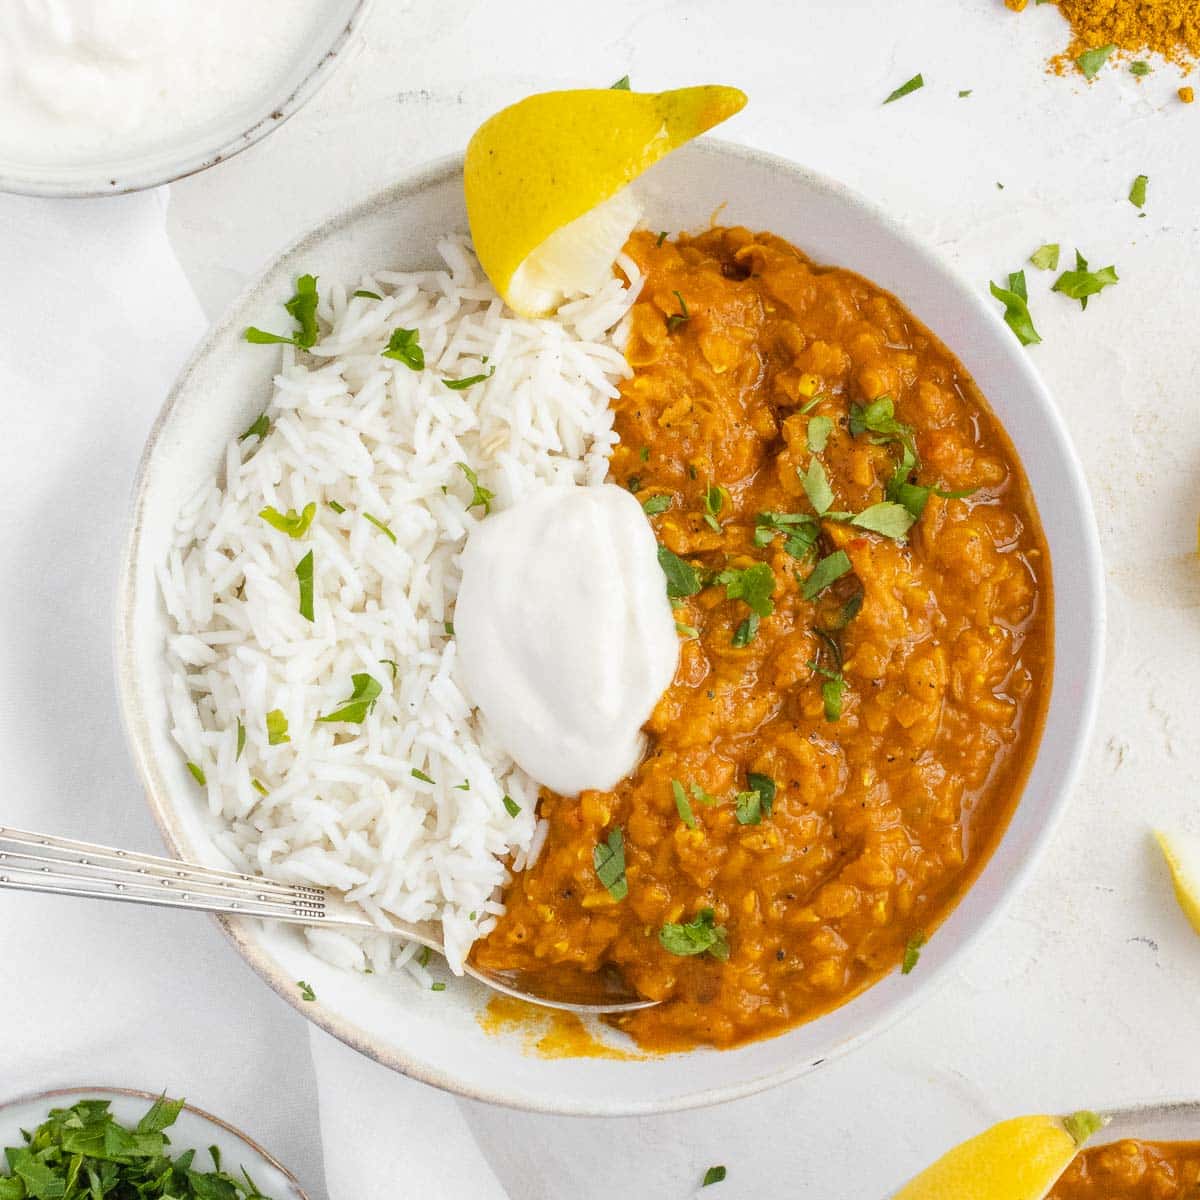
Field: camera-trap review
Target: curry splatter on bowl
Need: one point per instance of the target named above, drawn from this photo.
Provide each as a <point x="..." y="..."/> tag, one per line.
<point x="864" y="592"/>
<point x="1133" y="1170"/>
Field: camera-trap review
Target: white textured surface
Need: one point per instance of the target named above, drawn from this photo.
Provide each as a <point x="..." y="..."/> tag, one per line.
<point x="1085" y="994"/>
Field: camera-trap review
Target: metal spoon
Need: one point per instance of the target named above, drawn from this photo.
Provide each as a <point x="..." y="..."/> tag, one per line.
<point x="35" y="862"/>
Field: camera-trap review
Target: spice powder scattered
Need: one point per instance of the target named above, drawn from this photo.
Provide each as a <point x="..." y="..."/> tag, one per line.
<point x="1169" y="27"/>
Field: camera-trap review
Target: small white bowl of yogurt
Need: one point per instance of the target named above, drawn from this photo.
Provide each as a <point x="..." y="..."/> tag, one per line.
<point x="105" y="96"/>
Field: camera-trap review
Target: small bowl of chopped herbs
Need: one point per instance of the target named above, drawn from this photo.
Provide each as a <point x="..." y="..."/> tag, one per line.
<point x="85" y="1143"/>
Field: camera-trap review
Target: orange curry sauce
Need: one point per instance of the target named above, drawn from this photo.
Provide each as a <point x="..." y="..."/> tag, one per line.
<point x="881" y="817"/>
<point x="1133" y="1170"/>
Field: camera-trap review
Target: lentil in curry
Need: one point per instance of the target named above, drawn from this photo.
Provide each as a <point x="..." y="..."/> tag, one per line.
<point x="1133" y="1170"/>
<point x="856" y="702"/>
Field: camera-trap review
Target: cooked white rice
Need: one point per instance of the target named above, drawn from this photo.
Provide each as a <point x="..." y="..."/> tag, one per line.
<point x="342" y="807"/>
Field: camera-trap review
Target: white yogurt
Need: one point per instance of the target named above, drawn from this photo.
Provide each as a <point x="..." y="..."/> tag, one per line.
<point x="84" y="81"/>
<point x="566" y="639"/>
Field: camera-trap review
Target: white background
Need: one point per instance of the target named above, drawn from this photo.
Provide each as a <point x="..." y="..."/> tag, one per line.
<point x="1085" y="992"/>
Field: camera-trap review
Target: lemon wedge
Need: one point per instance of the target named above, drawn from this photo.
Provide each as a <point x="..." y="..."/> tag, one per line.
<point x="1182" y="852"/>
<point x="1020" y="1159"/>
<point x="545" y="182"/>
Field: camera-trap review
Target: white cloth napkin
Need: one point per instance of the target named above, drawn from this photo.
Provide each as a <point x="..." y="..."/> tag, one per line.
<point x="96" y="317"/>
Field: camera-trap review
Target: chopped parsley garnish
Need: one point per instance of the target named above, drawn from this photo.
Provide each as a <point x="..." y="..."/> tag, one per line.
<point x="819" y="429"/>
<point x="698" y="936"/>
<point x="682" y="578"/>
<point x="662" y="237"/>
<point x="714" y="500"/>
<point x="277" y="728"/>
<point x="713" y="1175"/>
<point x="755" y="585"/>
<point x="609" y="860"/>
<point x="306" y="992"/>
<point x="816" y="487"/>
<point x="1081" y="283"/>
<point x="461" y="385"/>
<point x="448" y="627"/>
<point x="654" y="505"/>
<point x="1015" y="299"/>
<point x="241" y="740"/>
<point x="830" y="569"/>
<point x="303" y="307"/>
<point x="832" y="689"/>
<point x="480" y="496"/>
<point x="1045" y="258"/>
<point x="644" y="454"/>
<point x="380" y="526"/>
<point x="634" y="484"/>
<point x="405" y="346"/>
<point x="362" y="293"/>
<point x="437" y="987"/>
<point x="887" y="518"/>
<point x="912" y="953"/>
<point x="354" y="710"/>
<point x="465" y="786"/>
<point x="687" y="631"/>
<point x="879" y="419"/>
<point x="1141" y="67"/>
<point x="421" y="776"/>
<point x="337" y="508"/>
<point x="965" y="93"/>
<point x="681" y="317"/>
<point x="83" y="1151"/>
<point x="701" y="796"/>
<point x="294" y="524"/>
<point x="682" y="804"/>
<point x="1090" y="61"/>
<point x="304" y="577"/>
<point x="259" y="787"/>
<point x="746" y="631"/>
<point x="511" y="806"/>
<point x="197" y="773"/>
<point x="1137" y="193"/>
<point x="622" y="84"/>
<point x="917" y="81"/>
<point x="260" y="428"/>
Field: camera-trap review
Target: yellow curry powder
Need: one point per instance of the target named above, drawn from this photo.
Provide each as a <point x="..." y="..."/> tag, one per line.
<point x="1168" y="27"/>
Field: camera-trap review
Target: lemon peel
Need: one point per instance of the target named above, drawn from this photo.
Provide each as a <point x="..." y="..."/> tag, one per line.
<point x="1019" y="1159"/>
<point x="1182" y="852"/>
<point x="548" y="164"/>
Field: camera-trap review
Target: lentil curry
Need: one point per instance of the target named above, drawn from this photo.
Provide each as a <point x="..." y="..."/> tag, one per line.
<point x="1133" y="1170"/>
<point x="863" y="596"/>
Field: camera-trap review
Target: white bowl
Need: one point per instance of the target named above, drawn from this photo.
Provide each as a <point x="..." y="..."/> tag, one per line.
<point x="435" y="1036"/>
<point x="194" y="1129"/>
<point x="248" y="119"/>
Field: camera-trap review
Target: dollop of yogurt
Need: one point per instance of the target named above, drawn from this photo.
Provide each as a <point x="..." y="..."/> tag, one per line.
<point x="566" y="639"/>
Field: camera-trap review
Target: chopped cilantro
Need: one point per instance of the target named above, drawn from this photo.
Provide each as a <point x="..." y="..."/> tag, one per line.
<point x="887" y="518"/>
<point x="714" y="500"/>
<point x="755" y="585"/>
<point x="480" y="496"/>
<point x="1045" y="258"/>
<point x="260" y="428"/>
<point x="644" y="454"/>
<point x="277" y="728"/>
<point x="380" y="526"/>
<point x="608" y="858"/>
<point x="1140" y="67"/>
<point x="687" y="631"/>
<point x="197" y="773"/>
<point x="1082" y="1125"/>
<point x="1081" y="283"/>
<point x="830" y="569"/>
<point x="682" y="805"/>
<point x="306" y="992"/>
<point x="654" y="505"/>
<point x="511" y="806"/>
<point x="1015" y="299"/>
<point x="917" y="81"/>
<point x="363" y="294"/>
<point x="819" y="429"/>
<point x="405" y="346"/>
<point x="912" y="953"/>
<point x="303" y="307"/>
<point x="304" y="577"/>
<point x="421" y="776"/>
<point x="294" y="524"/>
<point x="461" y="385"/>
<point x="746" y="631"/>
<point x="699" y="936"/>
<point x="965" y="93"/>
<point x="241" y="740"/>
<point x="355" y="708"/>
<point x="713" y="1175"/>
<point x="337" y="508"/>
<point x="437" y="987"/>
<point x="681" y="317"/>
<point x="259" y="787"/>
<point x="1090" y="61"/>
<point x="392" y="664"/>
<point x="800" y="532"/>
<point x="662" y="237"/>
<point x="701" y="796"/>
<point x="682" y="578"/>
<point x="622" y="84"/>
<point x="1137" y="193"/>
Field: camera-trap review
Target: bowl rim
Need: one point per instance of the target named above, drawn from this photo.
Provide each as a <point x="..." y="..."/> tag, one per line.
<point x="110" y="182"/>
<point x="137" y="1094"/>
<point x="346" y="1030"/>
